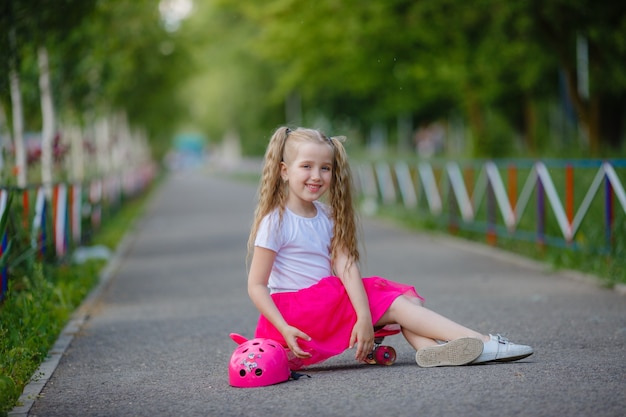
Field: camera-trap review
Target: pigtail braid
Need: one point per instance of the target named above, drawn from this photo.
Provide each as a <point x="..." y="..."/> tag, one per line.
<point x="342" y="204"/>
<point x="272" y="190"/>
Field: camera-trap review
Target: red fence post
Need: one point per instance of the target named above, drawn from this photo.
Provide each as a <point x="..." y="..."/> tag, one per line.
<point x="492" y="235"/>
<point x="26" y="208"/>
<point x="512" y="176"/>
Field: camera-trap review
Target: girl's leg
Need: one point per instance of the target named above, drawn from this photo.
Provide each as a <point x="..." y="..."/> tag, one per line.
<point x="423" y="327"/>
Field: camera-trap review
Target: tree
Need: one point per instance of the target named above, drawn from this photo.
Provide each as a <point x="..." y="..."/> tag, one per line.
<point x="588" y="39"/>
<point x="12" y="18"/>
<point x="91" y="65"/>
<point x="496" y="63"/>
<point x="135" y="64"/>
<point x="232" y="90"/>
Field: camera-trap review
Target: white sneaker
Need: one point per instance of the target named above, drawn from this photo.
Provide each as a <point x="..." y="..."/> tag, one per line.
<point x="455" y="352"/>
<point x="499" y="349"/>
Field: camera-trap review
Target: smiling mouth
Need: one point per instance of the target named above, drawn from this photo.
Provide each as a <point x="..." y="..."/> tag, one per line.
<point x="314" y="187"/>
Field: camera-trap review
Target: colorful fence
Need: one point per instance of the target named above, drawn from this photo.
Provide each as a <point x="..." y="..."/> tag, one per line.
<point x="54" y="219"/>
<point x="497" y="197"/>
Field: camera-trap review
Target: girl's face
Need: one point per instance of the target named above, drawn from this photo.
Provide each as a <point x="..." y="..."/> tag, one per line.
<point x="308" y="169"/>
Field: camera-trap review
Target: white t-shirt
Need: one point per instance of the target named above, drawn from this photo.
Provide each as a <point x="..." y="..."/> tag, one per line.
<point x="301" y="245"/>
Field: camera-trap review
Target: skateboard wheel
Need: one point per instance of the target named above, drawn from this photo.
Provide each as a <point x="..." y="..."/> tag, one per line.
<point x="371" y="360"/>
<point x="385" y="355"/>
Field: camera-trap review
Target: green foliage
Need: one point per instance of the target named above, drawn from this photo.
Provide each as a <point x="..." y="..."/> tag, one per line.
<point x="231" y="92"/>
<point x="34" y="312"/>
<point x="360" y="64"/>
<point x="505" y="68"/>
<point x="139" y="64"/>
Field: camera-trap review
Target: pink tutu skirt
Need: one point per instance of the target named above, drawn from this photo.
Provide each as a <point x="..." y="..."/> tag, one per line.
<point x="325" y="313"/>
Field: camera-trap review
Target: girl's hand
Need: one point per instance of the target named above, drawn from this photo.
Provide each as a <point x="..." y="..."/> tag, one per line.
<point x="363" y="337"/>
<point x="291" y="335"/>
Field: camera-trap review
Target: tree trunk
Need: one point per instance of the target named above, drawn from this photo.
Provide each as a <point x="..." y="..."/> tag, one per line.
<point x="47" y="112"/>
<point x="77" y="155"/>
<point x="587" y="108"/>
<point x="405" y="130"/>
<point x="293" y="109"/>
<point x="103" y="150"/>
<point x="530" y="124"/>
<point x="18" y="127"/>
<point x="588" y="113"/>
<point x="477" y="124"/>
<point x="4" y="133"/>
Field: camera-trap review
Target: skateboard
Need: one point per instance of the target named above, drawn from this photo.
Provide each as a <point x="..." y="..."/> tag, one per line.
<point x="382" y="354"/>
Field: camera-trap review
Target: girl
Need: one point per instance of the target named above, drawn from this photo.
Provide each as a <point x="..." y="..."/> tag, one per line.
<point x="304" y="276"/>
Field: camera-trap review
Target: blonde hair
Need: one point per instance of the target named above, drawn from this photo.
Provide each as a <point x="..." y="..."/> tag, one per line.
<point x="273" y="191"/>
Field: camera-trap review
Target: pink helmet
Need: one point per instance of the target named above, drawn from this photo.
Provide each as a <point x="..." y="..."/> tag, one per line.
<point x="257" y="363"/>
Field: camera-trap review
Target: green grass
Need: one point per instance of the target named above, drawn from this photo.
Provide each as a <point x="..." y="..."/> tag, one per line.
<point x="38" y="305"/>
<point x="608" y="266"/>
<point x="34" y="313"/>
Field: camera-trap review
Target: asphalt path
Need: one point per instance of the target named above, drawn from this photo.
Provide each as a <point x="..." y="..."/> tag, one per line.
<point x="154" y="341"/>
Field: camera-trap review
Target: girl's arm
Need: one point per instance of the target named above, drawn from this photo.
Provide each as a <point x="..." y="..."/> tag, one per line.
<point x="260" y="268"/>
<point x="363" y="330"/>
